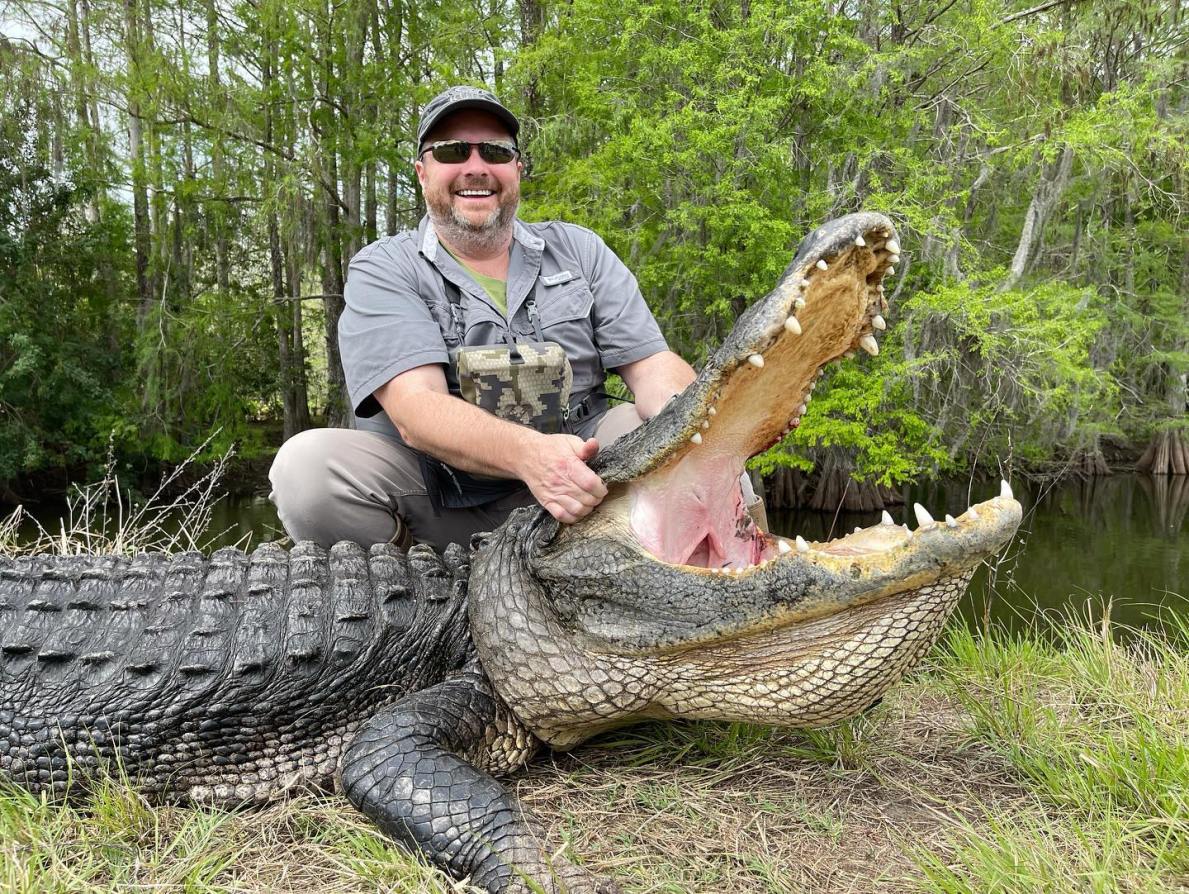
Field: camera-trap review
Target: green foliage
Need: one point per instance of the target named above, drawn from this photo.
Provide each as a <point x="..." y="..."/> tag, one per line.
<point x="700" y="140"/>
<point x="1005" y="375"/>
<point x="62" y="321"/>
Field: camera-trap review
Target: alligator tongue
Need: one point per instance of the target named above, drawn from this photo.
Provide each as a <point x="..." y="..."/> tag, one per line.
<point x="691" y="512"/>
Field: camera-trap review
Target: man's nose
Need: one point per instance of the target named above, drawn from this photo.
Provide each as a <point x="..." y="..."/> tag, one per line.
<point x="474" y="162"/>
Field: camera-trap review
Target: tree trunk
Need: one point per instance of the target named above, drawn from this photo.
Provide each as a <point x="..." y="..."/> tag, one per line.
<point x="217" y="212"/>
<point x="1048" y="192"/>
<point x="1168" y="452"/>
<point x="286" y="313"/>
<point x="338" y="408"/>
<point x="142" y="242"/>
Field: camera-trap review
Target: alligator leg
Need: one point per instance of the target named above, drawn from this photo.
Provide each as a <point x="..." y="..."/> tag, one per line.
<point x="407" y="770"/>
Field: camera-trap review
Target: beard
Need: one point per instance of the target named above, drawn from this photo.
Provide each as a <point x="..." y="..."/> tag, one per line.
<point x="466" y="233"/>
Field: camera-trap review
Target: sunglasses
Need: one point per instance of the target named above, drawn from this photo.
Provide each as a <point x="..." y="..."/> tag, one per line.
<point x="455" y="152"/>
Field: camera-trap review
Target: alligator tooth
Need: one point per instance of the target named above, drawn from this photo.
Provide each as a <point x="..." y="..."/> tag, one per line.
<point x="972" y="513"/>
<point x="869" y="344"/>
<point x="860" y="241"/>
<point x="821" y="265"/>
<point x="791" y="325"/>
<point x="887" y="234"/>
<point x="907" y="531"/>
<point x="891" y="271"/>
<point x="783" y="546"/>
<point x="697" y="437"/>
<point x="849" y="354"/>
<point x="923" y="516"/>
<point x="798" y="303"/>
<point x="802" y="546"/>
<point x="756" y="360"/>
<point x="893" y="246"/>
<point x="801" y="410"/>
<point x="857" y="530"/>
<point x="879" y="322"/>
<point x="893" y="259"/>
<point x="950" y="521"/>
<point x="887" y="518"/>
<point x="1005" y="491"/>
<point x="705" y="425"/>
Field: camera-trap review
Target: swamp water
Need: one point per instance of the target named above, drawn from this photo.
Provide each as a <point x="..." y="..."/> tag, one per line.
<point x="1122" y="539"/>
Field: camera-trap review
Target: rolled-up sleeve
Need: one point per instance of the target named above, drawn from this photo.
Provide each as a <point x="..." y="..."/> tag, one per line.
<point x="386" y="327"/>
<point x="625" y="329"/>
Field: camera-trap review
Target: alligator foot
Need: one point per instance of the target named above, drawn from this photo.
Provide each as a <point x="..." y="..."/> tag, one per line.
<point x="410" y="771"/>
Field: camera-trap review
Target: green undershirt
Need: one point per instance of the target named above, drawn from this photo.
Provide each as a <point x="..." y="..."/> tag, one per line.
<point x="496" y="289"/>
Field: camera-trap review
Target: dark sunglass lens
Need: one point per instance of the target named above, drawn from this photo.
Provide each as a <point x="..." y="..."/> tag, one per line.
<point x="451" y="152"/>
<point x="496" y="153"/>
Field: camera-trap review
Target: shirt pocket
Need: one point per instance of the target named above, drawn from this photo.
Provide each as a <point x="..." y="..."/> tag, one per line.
<point x="483" y="326"/>
<point x="565" y="303"/>
<point x="565" y="311"/>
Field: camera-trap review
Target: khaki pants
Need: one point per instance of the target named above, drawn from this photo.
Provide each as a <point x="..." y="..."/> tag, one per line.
<point x="332" y="484"/>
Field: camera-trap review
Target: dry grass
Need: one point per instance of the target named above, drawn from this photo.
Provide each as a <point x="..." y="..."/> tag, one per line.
<point x="101" y="518"/>
<point x="715" y="808"/>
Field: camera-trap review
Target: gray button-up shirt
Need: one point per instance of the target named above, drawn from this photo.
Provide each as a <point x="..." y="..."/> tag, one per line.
<point x="398" y="316"/>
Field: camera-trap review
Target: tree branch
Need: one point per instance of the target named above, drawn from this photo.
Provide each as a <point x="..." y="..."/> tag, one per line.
<point x="1024" y="13"/>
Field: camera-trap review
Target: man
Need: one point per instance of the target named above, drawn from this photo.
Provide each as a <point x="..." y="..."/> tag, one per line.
<point x="426" y="465"/>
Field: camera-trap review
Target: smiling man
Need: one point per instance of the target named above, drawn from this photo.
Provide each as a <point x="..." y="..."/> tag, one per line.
<point x="444" y="446"/>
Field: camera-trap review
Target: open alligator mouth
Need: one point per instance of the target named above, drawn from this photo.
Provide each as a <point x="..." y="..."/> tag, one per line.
<point x="681" y="473"/>
<point x="675" y="484"/>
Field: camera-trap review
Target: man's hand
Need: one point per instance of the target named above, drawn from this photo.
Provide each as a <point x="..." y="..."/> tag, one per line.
<point x="557" y="474"/>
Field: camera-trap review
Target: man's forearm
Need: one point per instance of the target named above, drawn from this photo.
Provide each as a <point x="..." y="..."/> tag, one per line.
<point x="655" y="379"/>
<point x="463" y="435"/>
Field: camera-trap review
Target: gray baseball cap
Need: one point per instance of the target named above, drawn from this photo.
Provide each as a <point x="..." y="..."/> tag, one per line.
<point x="455" y="99"/>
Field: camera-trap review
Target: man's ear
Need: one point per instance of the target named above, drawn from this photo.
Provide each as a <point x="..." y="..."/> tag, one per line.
<point x="526" y="166"/>
<point x="419" y="168"/>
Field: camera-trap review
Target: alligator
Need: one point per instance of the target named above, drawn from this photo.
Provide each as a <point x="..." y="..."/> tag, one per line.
<point x="410" y="680"/>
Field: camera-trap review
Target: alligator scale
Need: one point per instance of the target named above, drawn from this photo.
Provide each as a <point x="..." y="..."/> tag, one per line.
<point x="411" y="681"/>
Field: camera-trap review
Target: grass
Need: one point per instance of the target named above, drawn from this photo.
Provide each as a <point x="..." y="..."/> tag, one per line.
<point x="1051" y="761"/>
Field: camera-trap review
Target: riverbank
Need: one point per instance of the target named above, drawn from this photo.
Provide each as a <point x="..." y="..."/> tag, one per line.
<point x="1057" y="761"/>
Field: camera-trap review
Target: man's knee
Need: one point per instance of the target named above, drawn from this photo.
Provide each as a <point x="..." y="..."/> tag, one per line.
<point x="300" y="473"/>
<point x="335" y="484"/>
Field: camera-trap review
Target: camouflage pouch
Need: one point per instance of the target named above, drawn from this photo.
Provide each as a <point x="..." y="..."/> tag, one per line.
<point x="527" y="383"/>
